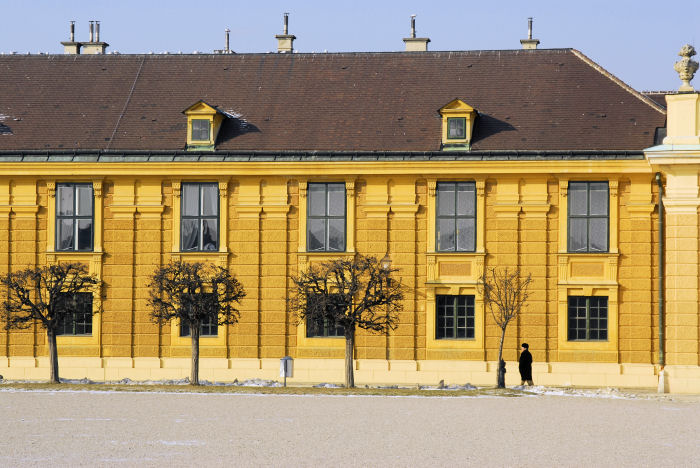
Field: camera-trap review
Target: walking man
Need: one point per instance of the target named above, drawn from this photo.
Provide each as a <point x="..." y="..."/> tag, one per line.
<point x="525" y="365"/>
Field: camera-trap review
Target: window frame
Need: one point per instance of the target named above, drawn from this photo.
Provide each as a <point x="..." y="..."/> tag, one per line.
<point x="209" y="326"/>
<point x="326" y="217"/>
<point x="327" y="331"/>
<point x="74" y="217"/>
<point x="200" y="217"/>
<point x="588" y="318"/>
<point x="86" y="316"/>
<point x="209" y="128"/>
<point x="470" y="313"/>
<point x="464" y="128"/>
<point x="456" y="217"/>
<point x="587" y="217"/>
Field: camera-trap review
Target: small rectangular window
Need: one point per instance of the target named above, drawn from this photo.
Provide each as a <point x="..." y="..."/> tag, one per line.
<point x="199" y="223"/>
<point x="209" y="327"/>
<point x="323" y="329"/>
<point x="456" y="217"/>
<point x="200" y="130"/>
<point x="323" y="324"/>
<point x="588" y="318"/>
<point x="456" y="128"/>
<point x="74" y="217"/>
<point x="454" y="317"/>
<point x="78" y="319"/>
<point x="588" y="216"/>
<point x="326" y="217"/>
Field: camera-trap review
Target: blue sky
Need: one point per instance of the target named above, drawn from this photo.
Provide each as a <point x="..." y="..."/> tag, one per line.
<point x="635" y="40"/>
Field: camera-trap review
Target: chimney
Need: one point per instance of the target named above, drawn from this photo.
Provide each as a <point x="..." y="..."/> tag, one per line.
<point x="413" y="43"/>
<point x="227" y="48"/>
<point x="95" y="46"/>
<point x="70" y="46"/>
<point x="285" y="41"/>
<point x="529" y="43"/>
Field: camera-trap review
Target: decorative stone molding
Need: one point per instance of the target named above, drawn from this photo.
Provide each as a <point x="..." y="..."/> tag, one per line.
<point x="276" y="211"/>
<point x="96" y="188"/>
<point x="481" y="188"/>
<point x="613" y="185"/>
<point x="404" y="211"/>
<point x="686" y="67"/>
<point x="223" y="189"/>
<point x="51" y="189"/>
<point x="350" y="188"/>
<point x="432" y="187"/>
<point x="564" y="188"/>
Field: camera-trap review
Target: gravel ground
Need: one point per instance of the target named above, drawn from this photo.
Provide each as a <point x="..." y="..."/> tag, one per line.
<point x="92" y="428"/>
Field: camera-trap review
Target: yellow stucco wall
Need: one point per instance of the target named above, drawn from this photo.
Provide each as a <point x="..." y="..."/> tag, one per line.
<point x="521" y="221"/>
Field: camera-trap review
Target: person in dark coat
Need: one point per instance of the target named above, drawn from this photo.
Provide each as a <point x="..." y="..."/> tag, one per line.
<point x="525" y="365"/>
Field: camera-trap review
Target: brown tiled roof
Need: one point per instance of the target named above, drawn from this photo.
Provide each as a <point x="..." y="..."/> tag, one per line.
<point x="658" y="97"/>
<point x="527" y="100"/>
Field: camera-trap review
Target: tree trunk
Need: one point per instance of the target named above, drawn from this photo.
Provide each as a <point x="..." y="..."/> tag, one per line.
<point x="194" y="334"/>
<point x="53" y="356"/>
<point x="349" y="348"/>
<point x="501" y="374"/>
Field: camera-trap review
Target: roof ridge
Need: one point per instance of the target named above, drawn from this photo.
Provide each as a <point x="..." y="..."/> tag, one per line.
<point x="648" y="101"/>
<point x="346" y="52"/>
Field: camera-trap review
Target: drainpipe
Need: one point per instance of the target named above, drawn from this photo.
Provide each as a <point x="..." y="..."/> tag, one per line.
<point x="662" y="358"/>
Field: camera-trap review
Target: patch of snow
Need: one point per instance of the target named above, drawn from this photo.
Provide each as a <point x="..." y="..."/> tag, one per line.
<point x="234" y="114"/>
<point x="608" y="392"/>
<point x="258" y="383"/>
<point x="466" y="386"/>
<point x="328" y="385"/>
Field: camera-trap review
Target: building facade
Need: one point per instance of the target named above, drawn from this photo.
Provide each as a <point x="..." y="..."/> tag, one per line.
<point x="448" y="162"/>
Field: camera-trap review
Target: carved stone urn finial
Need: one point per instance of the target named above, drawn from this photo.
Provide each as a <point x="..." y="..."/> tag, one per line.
<point x="686" y="67"/>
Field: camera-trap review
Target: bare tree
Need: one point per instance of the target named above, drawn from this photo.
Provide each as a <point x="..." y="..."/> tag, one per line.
<point x="48" y="295"/>
<point x="505" y="293"/>
<point x="348" y="293"/>
<point x="194" y="294"/>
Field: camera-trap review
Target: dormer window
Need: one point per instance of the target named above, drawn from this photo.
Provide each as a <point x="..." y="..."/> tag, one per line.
<point x="201" y="130"/>
<point x="203" y="124"/>
<point x="457" y="125"/>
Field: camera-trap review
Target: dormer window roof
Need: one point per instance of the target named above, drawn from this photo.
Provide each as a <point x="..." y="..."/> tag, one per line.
<point x="203" y="125"/>
<point x="457" y="125"/>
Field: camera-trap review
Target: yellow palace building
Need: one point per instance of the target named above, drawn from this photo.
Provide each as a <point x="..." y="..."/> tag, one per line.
<point x="448" y="162"/>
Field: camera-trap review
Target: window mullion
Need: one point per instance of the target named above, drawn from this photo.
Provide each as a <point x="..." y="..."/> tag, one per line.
<point x="455" y="315"/>
<point x="588" y="318"/>
<point x="76" y="206"/>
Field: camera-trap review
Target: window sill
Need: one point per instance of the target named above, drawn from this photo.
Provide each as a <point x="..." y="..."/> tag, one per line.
<point x="74" y="253"/>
